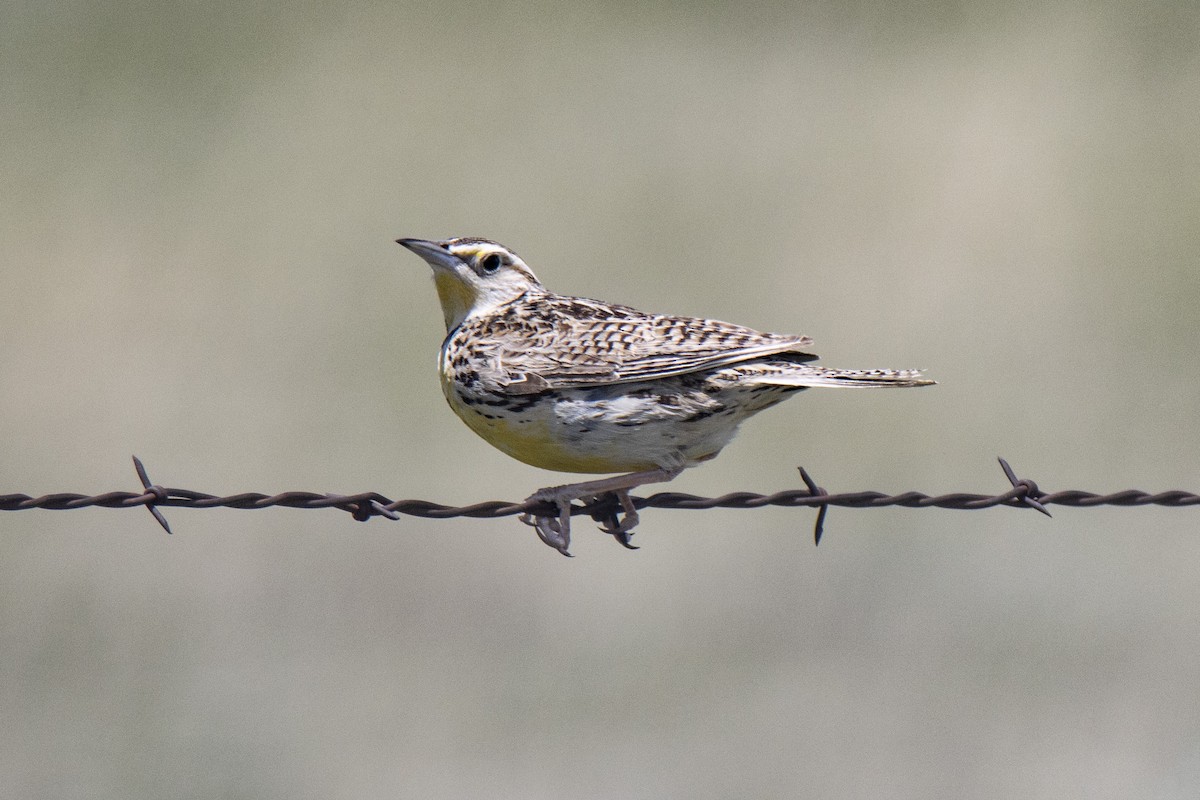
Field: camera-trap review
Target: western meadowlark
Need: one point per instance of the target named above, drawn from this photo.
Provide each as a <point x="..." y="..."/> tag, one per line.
<point x="577" y="385"/>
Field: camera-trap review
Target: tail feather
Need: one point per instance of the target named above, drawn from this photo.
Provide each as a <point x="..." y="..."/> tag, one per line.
<point x="805" y="375"/>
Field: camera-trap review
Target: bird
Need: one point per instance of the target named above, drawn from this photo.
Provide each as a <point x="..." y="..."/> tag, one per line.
<point x="584" y="386"/>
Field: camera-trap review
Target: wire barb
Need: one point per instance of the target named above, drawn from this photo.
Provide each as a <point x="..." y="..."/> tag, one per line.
<point x="154" y="494"/>
<point x="816" y="491"/>
<point x="1029" y="492"/>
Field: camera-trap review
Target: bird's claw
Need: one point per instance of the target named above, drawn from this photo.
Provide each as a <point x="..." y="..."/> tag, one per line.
<point x="620" y="528"/>
<point x="554" y="531"/>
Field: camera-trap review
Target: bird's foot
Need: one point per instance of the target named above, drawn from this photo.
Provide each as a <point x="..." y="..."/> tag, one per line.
<point x="555" y="530"/>
<point x="621" y="528"/>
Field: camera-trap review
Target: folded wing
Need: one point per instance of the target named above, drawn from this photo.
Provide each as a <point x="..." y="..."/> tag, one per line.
<point x="584" y="343"/>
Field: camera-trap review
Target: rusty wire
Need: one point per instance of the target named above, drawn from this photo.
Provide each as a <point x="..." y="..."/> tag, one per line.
<point x="1022" y="494"/>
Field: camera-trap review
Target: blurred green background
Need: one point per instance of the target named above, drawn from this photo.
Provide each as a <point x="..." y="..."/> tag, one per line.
<point x="197" y="208"/>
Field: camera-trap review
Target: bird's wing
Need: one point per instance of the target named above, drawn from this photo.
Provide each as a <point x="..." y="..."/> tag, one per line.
<point x="577" y="343"/>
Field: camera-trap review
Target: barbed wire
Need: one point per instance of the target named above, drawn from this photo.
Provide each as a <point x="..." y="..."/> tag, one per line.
<point x="1023" y="493"/>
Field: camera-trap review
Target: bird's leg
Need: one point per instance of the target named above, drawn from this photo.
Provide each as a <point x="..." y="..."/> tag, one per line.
<point x="556" y="531"/>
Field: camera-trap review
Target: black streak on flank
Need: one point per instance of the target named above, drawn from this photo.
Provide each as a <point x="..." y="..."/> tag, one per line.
<point x="700" y="415"/>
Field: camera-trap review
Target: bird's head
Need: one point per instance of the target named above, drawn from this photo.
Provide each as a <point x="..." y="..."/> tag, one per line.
<point x="473" y="276"/>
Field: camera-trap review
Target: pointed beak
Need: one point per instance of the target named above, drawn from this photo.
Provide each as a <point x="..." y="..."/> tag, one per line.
<point x="434" y="253"/>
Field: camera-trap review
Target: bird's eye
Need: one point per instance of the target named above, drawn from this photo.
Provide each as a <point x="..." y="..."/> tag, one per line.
<point x="490" y="263"/>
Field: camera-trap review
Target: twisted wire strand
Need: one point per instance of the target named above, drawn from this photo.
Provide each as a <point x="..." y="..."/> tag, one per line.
<point x="1023" y="493"/>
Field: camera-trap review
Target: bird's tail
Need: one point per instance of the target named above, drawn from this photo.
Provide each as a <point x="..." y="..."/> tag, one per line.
<point x="804" y="375"/>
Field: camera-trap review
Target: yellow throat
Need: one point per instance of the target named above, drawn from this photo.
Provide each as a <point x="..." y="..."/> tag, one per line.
<point x="456" y="296"/>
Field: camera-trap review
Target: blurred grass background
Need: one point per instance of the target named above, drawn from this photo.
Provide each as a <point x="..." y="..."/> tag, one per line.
<point x="196" y="224"/>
